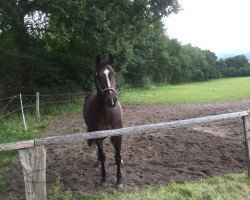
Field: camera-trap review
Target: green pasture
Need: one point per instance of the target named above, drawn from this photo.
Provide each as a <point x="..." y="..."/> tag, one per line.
<point x="231" y="186"/>
<point x="200" y="92"/>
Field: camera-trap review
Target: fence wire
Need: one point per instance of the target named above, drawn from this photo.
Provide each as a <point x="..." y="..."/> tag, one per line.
<point x="50" y="95"/>
<point x="28" y="106"/>
<point x="9" y="113"/>
<point x="31" y="98"/>
<point x="9" y="98"/>
<point x="51" y="102"/>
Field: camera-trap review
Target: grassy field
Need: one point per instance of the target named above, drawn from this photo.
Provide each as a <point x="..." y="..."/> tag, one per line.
<point x="211" y="91"/>
<point x="231" y="186"/>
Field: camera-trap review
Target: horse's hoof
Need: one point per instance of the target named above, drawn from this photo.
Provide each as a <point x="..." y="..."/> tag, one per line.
<point x="119" y="185"/>
<point x="103" y="183"/>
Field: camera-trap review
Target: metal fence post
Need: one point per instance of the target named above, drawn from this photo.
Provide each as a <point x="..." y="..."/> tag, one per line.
<point x="24" y="122"/>
<point x="37" y="105"/>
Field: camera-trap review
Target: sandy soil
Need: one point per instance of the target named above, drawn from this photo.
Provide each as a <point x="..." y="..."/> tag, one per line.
<point x="155" y="158"/>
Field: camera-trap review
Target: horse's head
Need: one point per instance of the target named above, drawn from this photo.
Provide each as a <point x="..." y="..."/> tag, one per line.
<point x="105" y="81"/>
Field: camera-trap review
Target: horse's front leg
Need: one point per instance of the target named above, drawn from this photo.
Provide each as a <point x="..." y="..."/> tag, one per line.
<point x="102" y="158"/>
<point x="117" y="142"/>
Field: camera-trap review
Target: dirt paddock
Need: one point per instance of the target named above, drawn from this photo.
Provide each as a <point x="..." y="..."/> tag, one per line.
<point x="154" y="158"/>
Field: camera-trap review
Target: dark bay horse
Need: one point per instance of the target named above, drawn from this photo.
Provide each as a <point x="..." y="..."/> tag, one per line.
<point x="102" y="111"/>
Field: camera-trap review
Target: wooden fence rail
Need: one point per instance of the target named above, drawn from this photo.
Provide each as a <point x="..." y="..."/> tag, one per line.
<point x="33" y="155"/>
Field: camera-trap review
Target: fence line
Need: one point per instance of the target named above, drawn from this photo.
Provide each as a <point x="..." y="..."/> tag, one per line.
<point x="138" y="129"/>
<point x="9" y="98"/>
<point x="38" y="102"/>
<point x="28" y="106"/>
<point x="124" y="131"/>
<point x="41" y="95"/>
<point x="49" y="95"/>
<point x="45" y="95"/>
<point x="49" y="102"/>
<point x="9" y="113"/>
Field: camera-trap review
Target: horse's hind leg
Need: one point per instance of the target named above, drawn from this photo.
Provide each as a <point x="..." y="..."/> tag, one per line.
<point x="117" y="142"/>
<point x="102" y="158"/>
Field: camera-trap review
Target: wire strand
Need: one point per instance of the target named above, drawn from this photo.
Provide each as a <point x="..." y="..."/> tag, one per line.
<point x="29" y="106"/>
<point x="9" y="98"/>
<point x="48" y="95"/>
<point x="48" y="102"/>
<point x="9" y="113"/>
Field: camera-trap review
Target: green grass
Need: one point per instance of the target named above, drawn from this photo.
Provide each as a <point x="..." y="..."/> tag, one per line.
<point x="229" y="187"/>
<point x="201" y="92"/>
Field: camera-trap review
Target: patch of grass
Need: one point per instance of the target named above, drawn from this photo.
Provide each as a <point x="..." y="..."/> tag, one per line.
<point x="230" y="187"/>
<point x="62" y="109"/>
<point x="201" y="92"/>
<point x="57" y="193"/>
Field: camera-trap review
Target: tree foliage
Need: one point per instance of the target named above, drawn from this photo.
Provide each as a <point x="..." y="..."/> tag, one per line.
<point x="52" y="44"/>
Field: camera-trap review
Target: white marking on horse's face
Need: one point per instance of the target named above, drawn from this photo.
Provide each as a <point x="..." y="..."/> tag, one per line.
<point x="106" y="72"/>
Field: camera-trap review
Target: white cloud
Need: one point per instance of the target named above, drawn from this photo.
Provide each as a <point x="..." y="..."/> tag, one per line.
<point x="218" y="25"/>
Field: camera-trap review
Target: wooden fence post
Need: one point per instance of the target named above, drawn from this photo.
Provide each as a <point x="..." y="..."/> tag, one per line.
<point x="37" y="105"/>
<point x="33" y="161"/>
<point x="246" y="120"/>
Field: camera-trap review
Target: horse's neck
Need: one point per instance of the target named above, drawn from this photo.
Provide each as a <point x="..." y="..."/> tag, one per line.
<point x="100" y="98"/>
<point x="102" y="107"/>
<point x="100" y="101"/>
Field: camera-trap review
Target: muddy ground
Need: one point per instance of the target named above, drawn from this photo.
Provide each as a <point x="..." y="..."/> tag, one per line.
<point x="155" y="158"/>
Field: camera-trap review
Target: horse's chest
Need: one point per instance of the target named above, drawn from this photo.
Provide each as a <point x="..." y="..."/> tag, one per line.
<point x="100" y="118"/>
<point x="106" y="122"/>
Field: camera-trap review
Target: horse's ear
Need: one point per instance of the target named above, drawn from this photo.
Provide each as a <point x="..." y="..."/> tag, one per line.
<point x="98" y="60"/>
<point x="111" y="59"/>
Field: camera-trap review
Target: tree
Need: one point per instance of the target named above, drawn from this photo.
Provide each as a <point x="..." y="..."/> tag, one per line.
<point x="54" y="42"/>
<point x="236" y="61"/>
<point x="15" y="18"/>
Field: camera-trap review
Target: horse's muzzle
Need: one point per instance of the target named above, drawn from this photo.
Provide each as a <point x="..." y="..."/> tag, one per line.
<point x="111" y="101"/>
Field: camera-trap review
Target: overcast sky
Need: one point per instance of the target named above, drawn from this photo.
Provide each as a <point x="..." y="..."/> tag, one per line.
<point x="217" y="25"/>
